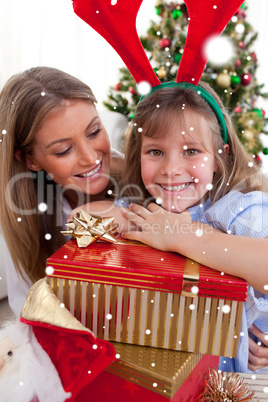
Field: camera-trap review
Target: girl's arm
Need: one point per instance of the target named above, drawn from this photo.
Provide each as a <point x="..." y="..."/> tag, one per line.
<point x="240" y="256"/>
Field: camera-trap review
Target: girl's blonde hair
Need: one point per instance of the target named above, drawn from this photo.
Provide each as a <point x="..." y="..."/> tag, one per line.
<point x="158" y="112"/>
<point x="26" y="101"/>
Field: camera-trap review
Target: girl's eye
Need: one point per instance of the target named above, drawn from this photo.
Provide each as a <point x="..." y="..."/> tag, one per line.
<point x="59" y="154"/>
<point x="191" y="152"/>
<point x="94" y="133"/>
<point x="156" y="152"/>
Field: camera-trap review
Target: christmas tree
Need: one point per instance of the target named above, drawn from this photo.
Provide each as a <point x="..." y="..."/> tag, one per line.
<point x="234" y="80"/>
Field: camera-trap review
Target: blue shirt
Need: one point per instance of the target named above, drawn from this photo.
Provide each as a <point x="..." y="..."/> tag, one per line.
<point x="242" y="215"/>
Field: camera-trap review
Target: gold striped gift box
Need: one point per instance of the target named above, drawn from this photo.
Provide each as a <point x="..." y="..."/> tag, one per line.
<point x="149" y="374"/>
<point x="174" y="375"/>
<point x="134" y="294"/>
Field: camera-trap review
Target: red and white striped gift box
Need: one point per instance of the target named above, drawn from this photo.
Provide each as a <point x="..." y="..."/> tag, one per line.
<point x="131" y="293"/>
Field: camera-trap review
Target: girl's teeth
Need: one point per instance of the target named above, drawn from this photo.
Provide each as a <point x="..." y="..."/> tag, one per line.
<point x="175" y="188"/>
<point x="91" y="172"/>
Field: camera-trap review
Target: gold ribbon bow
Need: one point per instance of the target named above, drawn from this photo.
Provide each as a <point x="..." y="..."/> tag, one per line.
<point x="87" y="228"/>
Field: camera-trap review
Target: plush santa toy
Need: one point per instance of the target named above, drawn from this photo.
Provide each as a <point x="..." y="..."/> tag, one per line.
<point x="48" y="355"/>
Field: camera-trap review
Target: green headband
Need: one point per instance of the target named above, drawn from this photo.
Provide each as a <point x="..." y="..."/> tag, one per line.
<point x="204" y="94"/>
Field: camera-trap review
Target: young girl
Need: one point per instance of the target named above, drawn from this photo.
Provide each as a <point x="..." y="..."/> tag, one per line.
<point x="55" y="155"/>
<point x="183" y="153"/>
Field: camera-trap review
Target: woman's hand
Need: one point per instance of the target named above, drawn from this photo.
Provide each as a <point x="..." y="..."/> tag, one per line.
<point x="158" y="228"/>
<point x="258" y="354"/>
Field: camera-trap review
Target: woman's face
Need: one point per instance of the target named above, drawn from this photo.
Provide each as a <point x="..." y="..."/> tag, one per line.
<point x="73" y="147"/>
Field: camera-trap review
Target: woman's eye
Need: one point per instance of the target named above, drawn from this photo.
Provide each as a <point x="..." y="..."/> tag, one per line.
<point x="156" y="152"/>
<point x="191" y="152"/>
<point x="94" y="133"/>
<point x="63" y="153"/>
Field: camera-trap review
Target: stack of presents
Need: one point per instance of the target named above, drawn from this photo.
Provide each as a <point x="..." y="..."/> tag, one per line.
<point x="168" y="317"/>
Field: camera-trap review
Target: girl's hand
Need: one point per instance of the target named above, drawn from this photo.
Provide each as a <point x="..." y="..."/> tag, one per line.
<point x="158" y="228"/>
<point x="258" y="354"/>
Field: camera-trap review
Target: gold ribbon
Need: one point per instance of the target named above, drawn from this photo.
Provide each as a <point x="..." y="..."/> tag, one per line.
<point x="190" y="278"/>
<point x="87" y="228"/>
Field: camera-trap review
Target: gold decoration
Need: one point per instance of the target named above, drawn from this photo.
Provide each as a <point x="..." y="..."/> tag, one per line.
<point x="87" y="228"/>
<point x="162" y="72"/>
<point x="223" y="80"/>
<point x="225" y="387"/>
<point x="42" y="305"/>
<point x="248" y="135"/>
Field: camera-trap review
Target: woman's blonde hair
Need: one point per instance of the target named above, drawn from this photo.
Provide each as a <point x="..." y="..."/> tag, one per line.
<point x="158" y="112"/>
<point x="26" y="101"/>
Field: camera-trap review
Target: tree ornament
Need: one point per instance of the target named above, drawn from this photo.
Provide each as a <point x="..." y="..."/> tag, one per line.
<point x="235" y="80"/>
<point x="246" y="79"/>
<point x="238" y="63"/>
<point x="259" y="112"/>
<point x="118" y="86"/>
<point x="132" y="90"/>
<point x="241" y="13"/>
<point x="263" y="112"/>
<point x="223" y="80"/>
<point x="238" y="109"/>
<point x="265" y="151"/>
<point x="258" y="160"/>
<point x="176" y="14"/>
<point x="162" y="72"/>
<point x="241" y="45"/>
<point x="248" y="135"/>
<point x="159" y="7"/>
<point x="164" y="42"/>
<point x="157" y="11"/>
<point x="220" y="387"/>
<point x="254" y="57"/>
<point x="177" y="58"/>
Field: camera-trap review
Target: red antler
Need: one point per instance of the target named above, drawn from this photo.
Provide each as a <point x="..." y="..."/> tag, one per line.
<point x="115" y="20"/>
<point x="207" y="18"/>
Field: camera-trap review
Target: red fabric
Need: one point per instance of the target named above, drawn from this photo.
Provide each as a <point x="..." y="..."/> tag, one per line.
<point x="205" y="21"/>
<point x="117" y="24"/>
<point x="72" y="354"/>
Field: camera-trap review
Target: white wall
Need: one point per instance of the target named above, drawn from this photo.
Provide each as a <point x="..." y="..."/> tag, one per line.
<point x="47" y="32"/>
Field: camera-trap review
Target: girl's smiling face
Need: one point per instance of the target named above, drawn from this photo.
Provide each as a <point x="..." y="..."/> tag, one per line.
<point x="73" y="147"/>
<point x="178" y="168"/>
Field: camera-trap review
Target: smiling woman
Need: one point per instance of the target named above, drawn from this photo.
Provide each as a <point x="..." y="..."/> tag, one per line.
<point x="55" y="155"/>
<point x="73" y="147"/>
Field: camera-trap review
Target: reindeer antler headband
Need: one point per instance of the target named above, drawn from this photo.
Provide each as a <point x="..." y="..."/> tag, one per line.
<point x="115" y="20"/>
